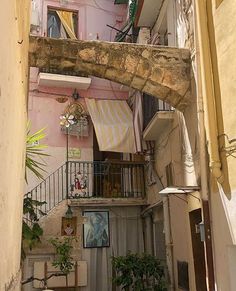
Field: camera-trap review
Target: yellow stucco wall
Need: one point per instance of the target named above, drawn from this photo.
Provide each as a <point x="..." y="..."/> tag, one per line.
<point x="225" y="21"/>
<point x="13" y="95"/>
<point x="222" y="206"/>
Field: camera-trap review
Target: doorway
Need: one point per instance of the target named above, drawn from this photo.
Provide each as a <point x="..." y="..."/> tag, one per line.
<point x="107" y="172"/>
<point x="198" y="250"/>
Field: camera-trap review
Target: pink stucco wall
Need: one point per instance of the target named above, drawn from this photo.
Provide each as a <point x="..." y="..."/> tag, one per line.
<point x="43" y="109"/>
<point x="93" y="16"/>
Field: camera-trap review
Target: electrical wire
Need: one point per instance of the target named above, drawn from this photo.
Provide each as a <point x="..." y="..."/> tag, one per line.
<point x="103" y="9"/>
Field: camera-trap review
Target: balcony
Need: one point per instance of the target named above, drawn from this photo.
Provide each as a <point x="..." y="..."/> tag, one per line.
<point x="147" y="11"/>
<point x="119" y="182"/>
<point x="107" y="179"/>
<point x="158" y="116"/>
<point x="152" y="105"/>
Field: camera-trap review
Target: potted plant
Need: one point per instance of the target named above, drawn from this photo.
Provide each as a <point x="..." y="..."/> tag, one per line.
<point x="138" y="272"/>
<point x="63" y="259"/>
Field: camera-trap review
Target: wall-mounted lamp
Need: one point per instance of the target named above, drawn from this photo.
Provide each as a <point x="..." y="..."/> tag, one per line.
<point x="176" y="190"/>
<point x="202" y="230"/>
<point x="75" y="95"/>
<point x="179" y="190"/>
<point x="69" y="212"/>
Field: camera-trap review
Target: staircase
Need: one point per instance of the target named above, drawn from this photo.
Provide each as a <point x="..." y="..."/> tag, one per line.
<point x="98" y="179"/>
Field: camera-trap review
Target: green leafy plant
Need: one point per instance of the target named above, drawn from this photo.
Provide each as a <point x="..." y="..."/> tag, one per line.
<point x="138" y="272"/>
<point x="63" y="260"/>
<point x="34" y="152"/>
<point x="31" y="230"/>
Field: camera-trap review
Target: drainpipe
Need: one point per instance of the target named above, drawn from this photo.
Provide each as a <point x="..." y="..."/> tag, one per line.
<point x="169" y="242"/>
<point x="167" y="224"/>
<point x="214" y="154"/>
<point x="208" y="90"/>
<point x="168" y="237"/>
<point x="205" y="190"/>
<point x="217" y="91"/>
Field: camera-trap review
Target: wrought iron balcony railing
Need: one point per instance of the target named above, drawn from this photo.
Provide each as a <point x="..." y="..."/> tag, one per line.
<point x="107" y="179"/>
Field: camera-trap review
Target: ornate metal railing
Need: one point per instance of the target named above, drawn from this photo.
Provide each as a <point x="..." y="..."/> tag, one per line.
<point x="108" y="179"/>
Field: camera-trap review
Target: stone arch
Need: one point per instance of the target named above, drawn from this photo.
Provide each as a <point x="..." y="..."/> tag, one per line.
<point x="163" y="72"/>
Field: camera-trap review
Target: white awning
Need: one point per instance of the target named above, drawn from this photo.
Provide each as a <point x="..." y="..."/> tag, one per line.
<point x="113" y="123"/>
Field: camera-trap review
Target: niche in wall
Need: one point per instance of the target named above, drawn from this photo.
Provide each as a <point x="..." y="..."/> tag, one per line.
<point x="183" y="280"/>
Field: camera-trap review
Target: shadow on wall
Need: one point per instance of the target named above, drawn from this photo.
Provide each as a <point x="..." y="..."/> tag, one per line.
<point x="191" y="151"/>
<point x="191" y="121"/>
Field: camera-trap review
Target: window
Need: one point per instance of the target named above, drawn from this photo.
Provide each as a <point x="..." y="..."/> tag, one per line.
<point x="159" y="240"/>
<point x="163" y="32"/>
<point x="169" y="175"/>
<point x="183" y="280"/>
<point x="62" y="24"/>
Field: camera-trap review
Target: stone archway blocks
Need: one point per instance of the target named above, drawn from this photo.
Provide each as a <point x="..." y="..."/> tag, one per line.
<point x="163" y="72"/>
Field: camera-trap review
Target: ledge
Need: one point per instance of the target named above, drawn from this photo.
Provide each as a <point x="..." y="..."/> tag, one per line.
<point x="158" y="125"/>
<point x="108" y="202"/>
<point x="147" y="12"/>
<point x="63" y="81"/>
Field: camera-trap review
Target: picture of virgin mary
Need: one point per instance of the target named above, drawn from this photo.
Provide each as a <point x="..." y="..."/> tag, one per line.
<point x="96" y="229"/>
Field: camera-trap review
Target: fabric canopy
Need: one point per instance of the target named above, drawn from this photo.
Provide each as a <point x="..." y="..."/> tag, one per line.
<point x="113" y="123"/>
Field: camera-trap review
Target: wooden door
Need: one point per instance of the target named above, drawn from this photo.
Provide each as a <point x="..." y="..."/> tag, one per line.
<point x="198" y="250"/>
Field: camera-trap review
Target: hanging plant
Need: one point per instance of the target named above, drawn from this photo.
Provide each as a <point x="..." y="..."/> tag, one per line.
<point x="76" y="109"/>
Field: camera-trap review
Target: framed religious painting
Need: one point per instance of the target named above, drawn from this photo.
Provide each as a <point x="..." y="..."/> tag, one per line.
<point x="68" y="226"/>
<point x="96" y="229"/>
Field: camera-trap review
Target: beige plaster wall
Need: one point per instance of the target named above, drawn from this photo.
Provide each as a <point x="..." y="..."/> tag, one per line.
<point x="51" y="225"/>
<point x="176" y="146"/>
<point x="13" y="95"/>
<point x="179" y="145"/>
<point x="223" y="213"/>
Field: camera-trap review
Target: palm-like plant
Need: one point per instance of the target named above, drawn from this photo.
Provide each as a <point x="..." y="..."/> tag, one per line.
<point x="31" y="230"/>
<point x="34" y="151"/>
